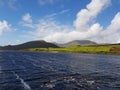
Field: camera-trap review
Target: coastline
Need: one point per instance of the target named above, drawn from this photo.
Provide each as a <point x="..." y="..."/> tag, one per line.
<point x="113" y="49"/>
<point x="90" y="49"/>
<point x="103" y="53"/>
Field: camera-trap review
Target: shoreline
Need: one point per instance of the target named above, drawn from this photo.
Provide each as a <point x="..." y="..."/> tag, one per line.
<point x="68" y="50"/>
<point x="98" y="53"/>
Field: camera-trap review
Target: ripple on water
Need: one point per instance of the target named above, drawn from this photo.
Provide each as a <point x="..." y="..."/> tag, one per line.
<point x="58" y="71"/>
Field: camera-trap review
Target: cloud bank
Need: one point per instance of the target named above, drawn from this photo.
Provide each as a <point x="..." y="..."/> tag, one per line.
<point x="84" y="26"/>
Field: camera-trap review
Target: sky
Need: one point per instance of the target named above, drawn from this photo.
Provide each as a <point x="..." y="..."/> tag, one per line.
<point x="59" y="21"/>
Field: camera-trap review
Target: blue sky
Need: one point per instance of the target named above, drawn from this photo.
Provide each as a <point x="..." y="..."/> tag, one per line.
<point x="59" y="20"/>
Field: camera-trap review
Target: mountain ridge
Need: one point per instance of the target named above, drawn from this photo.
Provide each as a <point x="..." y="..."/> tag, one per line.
<point x="30" y="44"/>
<point x="77" y="42"/>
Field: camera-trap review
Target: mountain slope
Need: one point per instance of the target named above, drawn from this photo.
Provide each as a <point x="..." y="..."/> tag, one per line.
<point x="77" y="42"/>
<point x="32" y="44"/>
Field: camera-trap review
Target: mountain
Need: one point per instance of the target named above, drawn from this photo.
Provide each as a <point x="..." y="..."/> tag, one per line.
<point x="77" y="42"/>
<point x="32" y="44"/>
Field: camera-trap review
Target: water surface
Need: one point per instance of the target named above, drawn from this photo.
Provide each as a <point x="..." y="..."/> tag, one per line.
<point x="58" y="71"/>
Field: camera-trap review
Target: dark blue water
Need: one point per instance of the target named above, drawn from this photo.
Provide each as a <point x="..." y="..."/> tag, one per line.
<point x="58" y="71"/>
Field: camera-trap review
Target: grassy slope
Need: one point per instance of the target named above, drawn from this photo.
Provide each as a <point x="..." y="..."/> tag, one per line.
<point x="106" y="49"/>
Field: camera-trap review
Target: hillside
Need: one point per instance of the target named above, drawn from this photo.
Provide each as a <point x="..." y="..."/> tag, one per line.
<point x="77" y="42"/>
<point x="32" y="44"/>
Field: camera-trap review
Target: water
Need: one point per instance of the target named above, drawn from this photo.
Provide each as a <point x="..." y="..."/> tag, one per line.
<point x="58" y="71"/>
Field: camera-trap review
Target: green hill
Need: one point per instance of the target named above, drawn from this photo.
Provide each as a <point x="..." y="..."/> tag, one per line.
<point x="32" y="44"/>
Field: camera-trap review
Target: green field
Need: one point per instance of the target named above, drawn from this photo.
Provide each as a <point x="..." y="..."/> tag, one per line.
<point x="104" y="49"/>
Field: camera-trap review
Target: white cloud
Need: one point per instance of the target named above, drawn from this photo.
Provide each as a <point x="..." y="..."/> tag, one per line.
<point x="85" y="16"/>
<point x="48" y="27"/>
<point x="59" y="13"/>
<point x="43" y="2"/>
<point x="112" y="32"/>
<point x="114" y="26"/>
<point x="27" y="20"/>
<point x="68" y="35"/>
<point x="84" y="27"/>
<point x="64" y="11"/>
<point x="4" y="26"/>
